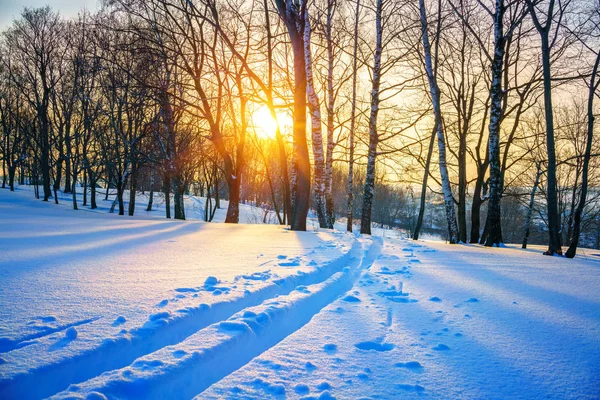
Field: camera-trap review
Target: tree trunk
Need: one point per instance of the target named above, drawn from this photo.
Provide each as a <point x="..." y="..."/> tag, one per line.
<point x="369" y="190"/>
<point x="419" y="224"/>
<point x="493" y="225"/>
<point x="572" y="250"/>
<point x="11" y="177"/>
<point x="85" y="183"/>
<point x="301" y="162"/>
<point x="329" y="206"/>
<point x="45" y="153"/>
<point x="435" y="100"/>
<point x="132" y="191"/>
<point x="179" y="198"/>
<point x="462" y="188"/>
<point x="93" y="204"/>
<point x="476" y="204"/>
<point x="74" y="192"/>
<point x="167" y="192"/>
<point x="350" y="189"/>
<point x="287" y="202"/>
<point x="234" y="201"/>
<point x="56" y="186"/>
<point x="151" y="196"/>
<point x="68" y="169"/>
<point x="317" y="133"/>
<point x="538" y="174"/>
<point x="293" y="20"/>
<point x="554" y="241"/>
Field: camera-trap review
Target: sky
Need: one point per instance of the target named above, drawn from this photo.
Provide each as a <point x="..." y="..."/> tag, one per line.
<point x="10" y="9"/>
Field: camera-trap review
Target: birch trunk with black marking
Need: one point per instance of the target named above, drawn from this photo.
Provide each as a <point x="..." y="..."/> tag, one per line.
<point x="493" y="226"/>
<point x="435" y="101"/>
<point x="369" y="190"/>
<point x="316" y="128"/>
<point x="350" y="189"/>
<point x="329" y="206"/>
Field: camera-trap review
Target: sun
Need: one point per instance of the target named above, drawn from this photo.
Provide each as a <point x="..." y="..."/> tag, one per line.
<point x="265" y="125"/>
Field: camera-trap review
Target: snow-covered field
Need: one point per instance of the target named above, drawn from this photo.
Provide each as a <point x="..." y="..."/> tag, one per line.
<point x="94" y="305"/>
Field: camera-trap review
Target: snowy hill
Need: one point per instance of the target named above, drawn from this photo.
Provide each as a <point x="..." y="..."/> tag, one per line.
<point x="194" y="206"/>
<point x="94" y="305"/>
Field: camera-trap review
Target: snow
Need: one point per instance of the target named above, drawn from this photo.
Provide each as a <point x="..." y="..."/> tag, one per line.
<point x="94" y="305"/>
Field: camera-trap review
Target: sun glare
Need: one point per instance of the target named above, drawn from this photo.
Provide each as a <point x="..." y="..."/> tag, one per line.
<point x="264" y="124"/>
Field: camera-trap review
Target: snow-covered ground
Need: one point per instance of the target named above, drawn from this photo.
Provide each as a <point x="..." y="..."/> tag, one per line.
<point x="194" y="206"/>
<point x="94" y="305"/>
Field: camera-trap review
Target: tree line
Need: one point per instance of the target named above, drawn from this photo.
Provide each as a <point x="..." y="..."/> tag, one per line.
<point x="381" y="110"/>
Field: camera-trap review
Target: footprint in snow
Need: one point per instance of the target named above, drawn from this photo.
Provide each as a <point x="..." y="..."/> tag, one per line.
<point x="471" y="300"/>
<point x="163" y="303"/>
<point x="291" y="263"/>
<point x="435" y="299"/>
<point x="410" y="388"/>
<point x="179" y="353"/>
<point x="302" y="289"/>
<point x="351" y="299"/>
<point x="410" y="365"/>
<point x="310" y="366"/>
<point x="210" y="281"/>
<point x="149" y="365"/>
<point x="371" y="345"/>
<point x="186" y="290"/>
<point x="330" y="348"/>
<point x="301" y="389"/>
<point x="441" y="347"/>
<point x="324" y="396"/>
<point x="321" y="387"/>
<point x="119" y="321"/>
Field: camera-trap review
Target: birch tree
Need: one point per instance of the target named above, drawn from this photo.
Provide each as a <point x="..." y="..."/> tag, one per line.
<point x="438" y="122"/>
<point x="365" y="221"/>
<point x="314" y="108"/>
<point x="350" y="189"/>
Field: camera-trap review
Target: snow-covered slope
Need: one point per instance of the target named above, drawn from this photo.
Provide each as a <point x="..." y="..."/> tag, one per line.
<point x="94" y="305"/>
<point x="194" y="206"/>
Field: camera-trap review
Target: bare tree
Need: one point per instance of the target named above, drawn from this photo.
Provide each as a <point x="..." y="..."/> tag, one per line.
<point x="545" y="28"/>
<point x="292" y="13"/>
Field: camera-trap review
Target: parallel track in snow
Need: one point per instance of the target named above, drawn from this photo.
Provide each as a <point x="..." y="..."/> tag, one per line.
<point x="191" y="366"/>
<point x="159" y="332"/>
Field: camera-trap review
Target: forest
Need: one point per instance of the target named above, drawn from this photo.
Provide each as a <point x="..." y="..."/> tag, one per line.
<point x="470" y="120"/>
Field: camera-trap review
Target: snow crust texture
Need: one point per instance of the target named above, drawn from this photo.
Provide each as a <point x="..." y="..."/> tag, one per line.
<point x="94" y="306"/>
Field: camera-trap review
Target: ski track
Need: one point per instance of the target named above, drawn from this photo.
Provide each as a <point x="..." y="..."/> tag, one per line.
<point x="162" y="329"/>
<point x="204" y="358"/>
